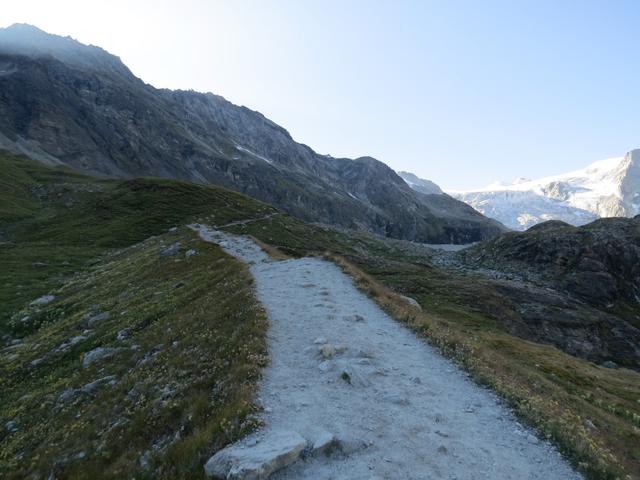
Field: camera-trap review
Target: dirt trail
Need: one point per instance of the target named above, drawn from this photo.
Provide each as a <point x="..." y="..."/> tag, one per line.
<point x="398" y="409"/>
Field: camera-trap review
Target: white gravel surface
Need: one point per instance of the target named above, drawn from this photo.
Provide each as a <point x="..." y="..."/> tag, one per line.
<point x="397" y="409"/>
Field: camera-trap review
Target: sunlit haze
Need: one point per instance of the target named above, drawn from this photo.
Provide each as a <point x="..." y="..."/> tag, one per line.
<point x="460" y="92"/>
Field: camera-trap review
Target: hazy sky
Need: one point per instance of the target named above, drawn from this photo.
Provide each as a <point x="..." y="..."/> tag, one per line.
<point x="460" y="92"/>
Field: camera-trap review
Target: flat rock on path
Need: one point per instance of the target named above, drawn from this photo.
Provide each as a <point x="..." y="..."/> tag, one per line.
<point x="396" y="408"/>
<point x="272" y="453"/>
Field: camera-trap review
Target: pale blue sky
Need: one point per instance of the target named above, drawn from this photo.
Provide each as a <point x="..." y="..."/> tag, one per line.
<point x="460" y="92"/>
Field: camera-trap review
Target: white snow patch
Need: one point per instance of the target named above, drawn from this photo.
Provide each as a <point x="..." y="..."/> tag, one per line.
<point x="253" y="154"/>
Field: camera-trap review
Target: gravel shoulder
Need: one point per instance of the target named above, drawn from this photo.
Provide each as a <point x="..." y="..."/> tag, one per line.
<point x="344" y="373"/>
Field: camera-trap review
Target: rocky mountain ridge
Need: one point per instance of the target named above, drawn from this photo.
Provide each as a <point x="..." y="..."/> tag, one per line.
<point x="64" y="102"/>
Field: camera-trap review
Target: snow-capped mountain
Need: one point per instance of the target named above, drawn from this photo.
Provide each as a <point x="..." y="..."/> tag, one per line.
<point x="607" y="188"/>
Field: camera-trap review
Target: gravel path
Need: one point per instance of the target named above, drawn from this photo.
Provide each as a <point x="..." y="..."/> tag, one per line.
<point x="399" y="409"/>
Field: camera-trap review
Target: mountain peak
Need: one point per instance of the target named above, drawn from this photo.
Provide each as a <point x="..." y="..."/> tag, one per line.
<point x="30" y="41"/>
<point x="24" y="28"/>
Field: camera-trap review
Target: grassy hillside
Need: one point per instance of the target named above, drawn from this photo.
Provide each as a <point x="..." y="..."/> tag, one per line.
<point x="182" y="333"/>
<point x="54" y="222"/>
<point x="189" y="337"/>
<point x="183" y="342"/>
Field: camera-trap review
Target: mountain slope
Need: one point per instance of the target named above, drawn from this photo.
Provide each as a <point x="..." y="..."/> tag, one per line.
<point x="108" y="247"/>
<point x="64" y="102"/>
<point x="607" y="188"/>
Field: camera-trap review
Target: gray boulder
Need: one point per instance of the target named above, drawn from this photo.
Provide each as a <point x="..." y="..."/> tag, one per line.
<point x="411" y="301"/>
<point x="171" y="250"/>
<point x="97" y="354"/>
<point x="90" y="388"/>
<point x="256" y="462"/>
<point x="92" y="319"/>
<point x="45" y="299"/>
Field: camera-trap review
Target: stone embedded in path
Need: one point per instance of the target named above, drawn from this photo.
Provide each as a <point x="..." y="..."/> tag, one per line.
<point x="325" y="366"/>
<point x="327" y="350"/>
<point x="354" y="377"/>
<point x="242" y="462"/>
<point x="323" y="442"/>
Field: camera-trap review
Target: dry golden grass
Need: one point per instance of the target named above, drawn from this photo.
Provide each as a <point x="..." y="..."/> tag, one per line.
<point x="589" y="412"/>
<point x="270" y="250"/>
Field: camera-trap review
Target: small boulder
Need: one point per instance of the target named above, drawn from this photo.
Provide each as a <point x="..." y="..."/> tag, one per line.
<point x="325" y="366"/>
<point x="171" y="250"/>
<point x="123" y="334"/>
<point x="242" y="461"/>
<point x="67" y="395"/>
<point x="44" y="300"/>
<point x="354" y="318"/>
<point x="610" y="364"/>
<point x="411" y="301"/>
<point x="77" y="339"/>
<point x="190" y="253"/>
<point x="327" y="351"/>
<point x="97" y="354"/>
<point x="92" y="319"/>
<point x="323" y="442"/>
<point x="90" y="388"/>
<point x="353" y="376"/>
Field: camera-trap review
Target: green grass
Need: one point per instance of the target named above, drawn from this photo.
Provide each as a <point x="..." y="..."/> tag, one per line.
<point x="55" y="222"/>
<point x="187" y="371"/>
<point x="185" y="374"/>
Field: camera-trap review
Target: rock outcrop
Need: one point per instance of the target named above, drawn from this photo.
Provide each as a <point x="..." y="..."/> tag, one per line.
<point x="575" y="287"/>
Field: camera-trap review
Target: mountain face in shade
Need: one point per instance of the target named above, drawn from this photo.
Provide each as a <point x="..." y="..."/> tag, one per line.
<point x="595" y="265"/>
<point x="69" y="103"/>
<point x="607" y="188"/>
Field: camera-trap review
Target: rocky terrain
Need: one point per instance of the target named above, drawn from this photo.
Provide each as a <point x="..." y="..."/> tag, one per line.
<point x="575" y="287"/>
<point x="64" y="102"/>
